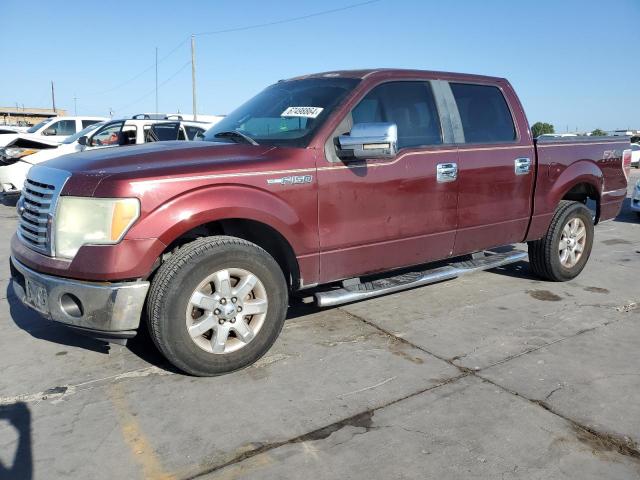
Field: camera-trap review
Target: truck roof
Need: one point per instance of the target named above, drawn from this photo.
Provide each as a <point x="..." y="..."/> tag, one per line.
<point x="399" y="72"/>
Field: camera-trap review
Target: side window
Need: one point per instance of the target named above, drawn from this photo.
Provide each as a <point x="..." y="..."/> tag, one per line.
<point x="484" y="113"/>
<point x="194" y="133"/>
<point x="64" y="127"/>
<point x="410" y="105"/>
<point x="86" y="123"/>
<point x="107" y="135"/>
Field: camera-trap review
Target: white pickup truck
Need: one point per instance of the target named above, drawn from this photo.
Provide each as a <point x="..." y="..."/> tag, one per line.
<point x="52" y="130"/>
<point x="22" y="153"/>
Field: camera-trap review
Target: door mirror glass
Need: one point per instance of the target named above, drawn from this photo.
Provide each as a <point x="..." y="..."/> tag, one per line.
<point x="369" y="140"/>
<point x="82" y="140"/>
<point x="50" y="131"/>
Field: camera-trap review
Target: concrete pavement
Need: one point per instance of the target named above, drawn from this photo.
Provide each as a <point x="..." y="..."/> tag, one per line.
<point x="494" y="375"/>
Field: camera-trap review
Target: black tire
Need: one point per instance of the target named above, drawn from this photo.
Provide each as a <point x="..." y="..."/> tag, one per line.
<point x="544" y="258"/>
<point x="179" y="277"/>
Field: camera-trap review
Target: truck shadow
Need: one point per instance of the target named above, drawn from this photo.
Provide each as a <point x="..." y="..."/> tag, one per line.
<point x="18" y="415"/>
<point x="43" y="329"/>
<point x="142" y="346"/>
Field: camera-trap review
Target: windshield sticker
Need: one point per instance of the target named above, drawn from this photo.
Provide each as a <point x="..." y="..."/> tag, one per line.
<point x="305" y="112"/>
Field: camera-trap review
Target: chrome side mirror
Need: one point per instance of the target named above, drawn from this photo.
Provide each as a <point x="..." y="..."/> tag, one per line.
<point x="369" y="140"/>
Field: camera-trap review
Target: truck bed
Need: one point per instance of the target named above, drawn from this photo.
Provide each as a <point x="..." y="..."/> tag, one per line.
<point x="574" y="162"/>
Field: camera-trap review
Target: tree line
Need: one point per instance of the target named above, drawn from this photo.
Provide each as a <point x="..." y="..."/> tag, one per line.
<point x="540" y="128"/>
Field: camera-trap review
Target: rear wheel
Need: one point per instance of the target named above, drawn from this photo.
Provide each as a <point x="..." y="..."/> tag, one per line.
<point x="564" y="251"/>
<point x="217" y="305"/>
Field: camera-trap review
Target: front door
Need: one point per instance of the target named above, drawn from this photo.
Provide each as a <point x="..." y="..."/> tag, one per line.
<point x="382" y="214"/>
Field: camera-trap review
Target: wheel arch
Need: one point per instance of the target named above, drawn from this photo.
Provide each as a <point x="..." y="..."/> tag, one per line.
<point x="580" y="182"/>
<point x="260" y="233"/>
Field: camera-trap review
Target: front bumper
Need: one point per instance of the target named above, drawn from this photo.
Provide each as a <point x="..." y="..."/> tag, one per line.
<point x="102" y="309"/>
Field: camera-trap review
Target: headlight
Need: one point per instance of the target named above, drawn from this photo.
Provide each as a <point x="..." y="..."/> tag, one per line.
<point x="98" y="221"/>
<point x="11" y="155"/>
<point x="14" y="152"/>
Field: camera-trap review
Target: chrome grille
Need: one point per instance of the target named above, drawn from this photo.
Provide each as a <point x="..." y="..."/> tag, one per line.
<point x="36" y="207"/>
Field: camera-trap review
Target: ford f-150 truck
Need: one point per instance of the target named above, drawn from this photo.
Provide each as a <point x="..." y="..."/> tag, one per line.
<point x="344" y="184"/>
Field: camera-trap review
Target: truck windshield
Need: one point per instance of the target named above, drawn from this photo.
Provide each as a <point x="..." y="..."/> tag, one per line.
<point x="35" y="128"/>
<point x="285" y="114"/>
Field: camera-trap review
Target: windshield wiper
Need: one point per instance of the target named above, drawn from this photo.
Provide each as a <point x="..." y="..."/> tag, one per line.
<point x="237" y="135"/>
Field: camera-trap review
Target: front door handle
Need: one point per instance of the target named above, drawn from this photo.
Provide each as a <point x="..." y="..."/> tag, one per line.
<point x="522" y="166"/>
<point x="446" y="172"/>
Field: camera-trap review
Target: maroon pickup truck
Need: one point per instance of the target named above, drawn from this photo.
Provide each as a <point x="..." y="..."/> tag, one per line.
<point x="320" y="183"/>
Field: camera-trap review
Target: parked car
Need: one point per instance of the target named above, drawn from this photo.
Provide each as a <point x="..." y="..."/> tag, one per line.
<point x="635" y="199"/>
<point x="313" y="185"/>
<point x="12" y="129"/>
<point x="19" y="156"/>
<point x="52" y="130"/>
<point x="555" y="135"/>
<point x="635" y="155"/>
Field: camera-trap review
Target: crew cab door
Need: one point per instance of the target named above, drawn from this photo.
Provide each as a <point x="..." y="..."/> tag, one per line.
<point x="496" y="163"/>
<point x="381" y="214"/>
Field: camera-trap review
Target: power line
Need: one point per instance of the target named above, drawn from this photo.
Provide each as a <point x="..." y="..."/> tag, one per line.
<point x="216" y="32"/>
<point x="288" y="20"/>
<point x="148" y="94"/>
<point x="149" y="68"/>
<point x="236" y="29"/>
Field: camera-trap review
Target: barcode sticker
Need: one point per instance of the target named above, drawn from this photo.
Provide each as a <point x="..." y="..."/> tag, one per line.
<point x="305" y="112"/>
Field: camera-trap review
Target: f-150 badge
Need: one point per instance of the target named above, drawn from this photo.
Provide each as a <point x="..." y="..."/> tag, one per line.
<point x="292" y="180"/>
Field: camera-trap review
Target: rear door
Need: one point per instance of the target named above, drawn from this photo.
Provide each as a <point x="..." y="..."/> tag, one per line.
<point x="496" y="165"/>
<point x="382" y="214"/>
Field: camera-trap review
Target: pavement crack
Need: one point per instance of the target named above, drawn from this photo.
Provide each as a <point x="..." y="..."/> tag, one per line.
<point x="599" y="441"/>
<point x="559" y="387"/>
<point x="362" y="420"/>
<point x="395" y="337"/>
<point x="58" y="393"/>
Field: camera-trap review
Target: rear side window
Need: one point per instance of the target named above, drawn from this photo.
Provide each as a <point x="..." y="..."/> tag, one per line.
<point x="410" y="105"/>
<point x="484" y="113"/>
<point x="193" y="132"/>
<point x="86" y="123"/>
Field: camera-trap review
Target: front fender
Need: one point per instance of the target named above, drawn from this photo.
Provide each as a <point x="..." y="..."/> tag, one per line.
<point x="208" y="204"/>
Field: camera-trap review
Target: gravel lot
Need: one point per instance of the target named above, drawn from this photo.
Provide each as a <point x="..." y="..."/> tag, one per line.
<point x="494" y="375"/>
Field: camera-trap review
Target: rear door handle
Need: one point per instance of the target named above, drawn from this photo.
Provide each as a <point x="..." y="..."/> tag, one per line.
<point x="446" y="172"/>
<point x="522" y="166"/>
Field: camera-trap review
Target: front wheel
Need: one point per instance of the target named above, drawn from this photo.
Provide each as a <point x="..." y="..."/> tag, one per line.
<point x="563" y="252"/>
<point x="217" y="305"/>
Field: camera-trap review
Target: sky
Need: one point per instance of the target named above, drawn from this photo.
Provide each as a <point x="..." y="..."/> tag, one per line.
<point x="573" y="63"/>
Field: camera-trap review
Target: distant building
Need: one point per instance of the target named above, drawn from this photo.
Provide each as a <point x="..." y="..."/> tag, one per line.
<point x="634" y="134"/>
<point x="26" y="116"/>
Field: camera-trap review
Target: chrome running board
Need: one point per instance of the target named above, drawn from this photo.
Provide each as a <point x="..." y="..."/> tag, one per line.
<point x="383" y="286"/>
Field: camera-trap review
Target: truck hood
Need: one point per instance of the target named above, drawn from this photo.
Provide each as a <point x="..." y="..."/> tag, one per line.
<point x="154" y="161"/>
<point x="8" y="139"/>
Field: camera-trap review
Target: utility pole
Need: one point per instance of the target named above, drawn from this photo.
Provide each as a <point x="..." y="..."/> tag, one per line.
<point x="75" y="105"/>
<point x="53" y="97"/>
<point x="157" y="111"/>
<point x="193" y="75"/>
